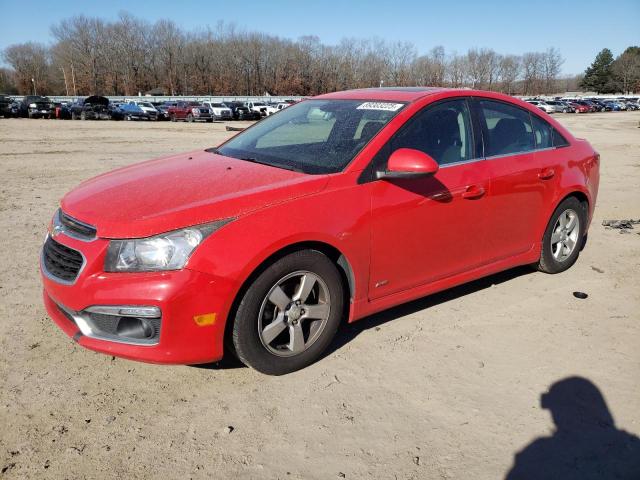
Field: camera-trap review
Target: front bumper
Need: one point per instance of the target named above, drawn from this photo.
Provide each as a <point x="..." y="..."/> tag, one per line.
<point x="184" y="297"/>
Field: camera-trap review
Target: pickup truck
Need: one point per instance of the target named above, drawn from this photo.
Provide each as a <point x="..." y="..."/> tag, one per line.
<point x="220" y="110"/>
<point x="261" y="108"/>
<point x="35" y="106"/>
<point x="190" y="112"/>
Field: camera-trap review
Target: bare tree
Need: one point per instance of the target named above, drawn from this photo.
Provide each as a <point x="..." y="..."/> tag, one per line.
<point x="129" y="55"/>
<point x="627" y="69"/>
<point x="30" y="62"/>
<point x="509" y="69"/>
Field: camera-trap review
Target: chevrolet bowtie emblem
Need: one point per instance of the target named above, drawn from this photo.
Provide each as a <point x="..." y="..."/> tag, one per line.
<point x="57" y="230"/>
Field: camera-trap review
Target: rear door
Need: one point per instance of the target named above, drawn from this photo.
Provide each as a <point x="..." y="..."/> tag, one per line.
<point x="517" y="196"/>
<point x="426" y="229"/>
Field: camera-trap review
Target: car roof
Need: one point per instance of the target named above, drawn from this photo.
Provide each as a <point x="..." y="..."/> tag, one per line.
<point x="402" y="94"/>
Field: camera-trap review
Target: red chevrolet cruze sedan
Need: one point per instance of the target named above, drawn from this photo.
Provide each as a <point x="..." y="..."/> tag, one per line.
<point x="336" y="207"/>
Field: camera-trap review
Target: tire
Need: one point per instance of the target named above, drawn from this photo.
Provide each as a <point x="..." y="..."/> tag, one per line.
<point x="172" y="118"/>
<point x="558" y="256"/>
<point x="190" y="118"/>
<point x="74" y="116"/>
<point x="278" y="356"/>
<point x="83" y="115"/>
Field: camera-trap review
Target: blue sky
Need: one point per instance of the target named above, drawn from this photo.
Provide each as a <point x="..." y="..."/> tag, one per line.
<point x="580" y="29"/>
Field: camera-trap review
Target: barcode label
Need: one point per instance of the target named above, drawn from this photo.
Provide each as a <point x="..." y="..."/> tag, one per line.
<point x="390" y="107"/>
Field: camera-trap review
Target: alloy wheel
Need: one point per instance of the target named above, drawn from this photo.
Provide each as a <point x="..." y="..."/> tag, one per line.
<point x="564" y="238"/>
<point x="294" y="313"/>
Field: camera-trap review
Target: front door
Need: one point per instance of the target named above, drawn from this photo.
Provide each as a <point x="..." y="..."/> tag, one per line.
<point x="426" y="229"/>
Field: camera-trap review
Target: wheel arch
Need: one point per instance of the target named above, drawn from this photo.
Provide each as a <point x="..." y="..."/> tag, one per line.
<point x="336" y="256"/>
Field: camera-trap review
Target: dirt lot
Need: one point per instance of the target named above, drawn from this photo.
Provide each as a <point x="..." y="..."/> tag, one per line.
<point x="445" y="387"/>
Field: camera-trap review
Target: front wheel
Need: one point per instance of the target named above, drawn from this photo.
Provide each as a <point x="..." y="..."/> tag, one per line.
<point x="563" y="237"/>
<point x="190" y="118"/>
<point x="289" y="314"/>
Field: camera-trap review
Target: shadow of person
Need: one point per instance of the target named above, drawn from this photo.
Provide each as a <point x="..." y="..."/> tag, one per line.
<point x="586" y="444"/>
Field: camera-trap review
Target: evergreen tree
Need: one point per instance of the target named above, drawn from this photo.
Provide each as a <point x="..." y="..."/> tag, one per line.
<point x="599" y="77"/>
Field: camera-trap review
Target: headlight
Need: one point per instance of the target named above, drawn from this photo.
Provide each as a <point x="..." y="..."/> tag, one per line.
<point x="168" y="251"/>
<point x="33" y="105"/>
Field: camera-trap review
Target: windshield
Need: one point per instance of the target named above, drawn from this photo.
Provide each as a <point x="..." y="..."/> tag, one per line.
<point x="146" y="104"/>
<point x="315" y="136"/>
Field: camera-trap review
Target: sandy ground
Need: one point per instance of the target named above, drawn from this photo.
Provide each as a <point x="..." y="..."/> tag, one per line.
<point x="445" y="387"/>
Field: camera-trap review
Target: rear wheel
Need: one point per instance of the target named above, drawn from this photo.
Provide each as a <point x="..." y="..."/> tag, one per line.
<point x="289" y="314"/>
<point x="563" y="237"/>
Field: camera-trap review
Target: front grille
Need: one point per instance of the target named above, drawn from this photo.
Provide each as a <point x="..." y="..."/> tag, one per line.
<point x="76" y="228"/>
<point x="61" y="262"/>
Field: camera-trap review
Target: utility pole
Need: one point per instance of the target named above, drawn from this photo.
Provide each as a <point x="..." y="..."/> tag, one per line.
<point x="34" y="86"/>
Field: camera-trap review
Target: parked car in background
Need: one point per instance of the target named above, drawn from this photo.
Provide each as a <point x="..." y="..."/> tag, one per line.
<point x="599" y="104"/>
<point x="282" y="105"/>
<point x="219" y="110"/>
<point x="240" y="248"/>
<point x="542" y="106"/>
<point x="163" y="109"/>
<point x="560" y="106"/>
<point x="190" y="112"/>
<point x="587" y="107"/>
<point x="127" y="111"/>
<point x="147" y="107"/>
<point x="5" y="106"/>
<point x="241" y="112"/>
<point x="94" y="107"/>
<point x="579" y="108"/>
<point x="35" y="106"/>
<point x="632" y="105"/>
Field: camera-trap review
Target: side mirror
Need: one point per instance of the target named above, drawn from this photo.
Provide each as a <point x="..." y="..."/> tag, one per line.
<point x="409" y="163"/>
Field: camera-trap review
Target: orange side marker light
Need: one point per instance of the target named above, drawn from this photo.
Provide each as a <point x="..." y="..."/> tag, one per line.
<point x="205" y="319"/>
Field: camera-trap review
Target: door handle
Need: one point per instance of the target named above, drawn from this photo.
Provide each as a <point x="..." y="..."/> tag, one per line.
<point x="546" y="174"/>
<point x="473" y="191"/>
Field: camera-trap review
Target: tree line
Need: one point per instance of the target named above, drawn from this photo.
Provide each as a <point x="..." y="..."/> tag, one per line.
<point x="130" y="56"/>
<point x="609" y="75"/>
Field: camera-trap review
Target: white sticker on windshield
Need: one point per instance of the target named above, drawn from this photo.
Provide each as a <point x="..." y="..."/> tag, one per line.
<point x="390" y="107"/>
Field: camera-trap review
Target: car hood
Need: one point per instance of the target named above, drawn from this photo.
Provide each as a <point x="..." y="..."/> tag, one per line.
<point x="96" y="100"/>
<point x="182" y="190"/>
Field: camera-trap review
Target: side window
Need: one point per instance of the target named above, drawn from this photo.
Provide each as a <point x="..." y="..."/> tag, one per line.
<point x="543" y="132"/>
<point x="509" y="129"/>
<point x="442" y="131"/>
<point x="559" y="140"/>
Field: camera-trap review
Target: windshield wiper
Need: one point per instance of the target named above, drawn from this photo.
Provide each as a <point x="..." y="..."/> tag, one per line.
<point x="255" y="160"/>
<point x="277" y="165"/>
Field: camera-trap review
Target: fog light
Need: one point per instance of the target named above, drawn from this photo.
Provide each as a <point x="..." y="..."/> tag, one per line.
<point x="133" y="327"/>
